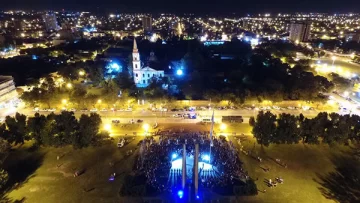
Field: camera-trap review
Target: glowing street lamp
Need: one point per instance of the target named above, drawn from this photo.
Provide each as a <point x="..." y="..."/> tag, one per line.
<point x="146" y="127"/>
<point x="333" y="58"/>
<point x="223" y="126"/>
<point x="69" y="85"/>
<point x="107" y="127"/>
<point x="81" y="73"/>
<point x="352" y="56"/>
<point x="99" y="101"/>
<point x="64" y="101"/>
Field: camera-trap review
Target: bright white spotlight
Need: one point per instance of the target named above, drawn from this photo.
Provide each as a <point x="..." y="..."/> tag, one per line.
<point x="174" y="156"/>
<point x="179" y="72"/>
<point x="115" y="66"/>
<point x="180" y="194"/>
<point x="205" y="157"/>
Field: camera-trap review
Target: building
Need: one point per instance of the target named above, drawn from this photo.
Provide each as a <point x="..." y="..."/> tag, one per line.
<point x="143" y="76"/>
<point x="147" y="24"/>
<point x="50" y="22"/>
<point x="8" y="92"/>
<point x="300" y="31"/>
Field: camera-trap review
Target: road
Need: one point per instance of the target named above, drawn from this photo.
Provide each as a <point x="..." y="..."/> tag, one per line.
<point x="168" y="117"/>
<point x="342" y="66"/>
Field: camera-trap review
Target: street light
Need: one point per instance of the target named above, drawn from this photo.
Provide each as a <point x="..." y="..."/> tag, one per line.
<point x="333" y="58"/>
<point x="107" y="127"/>
<point x="223" y="126"/>
<point x="69" y="85"/>
<point x="146" y="127"/>
<point x="64" y="101"/>
<point x="99" y="101"/>
<point x="352" y="55"/>
<point x="81" y="73"/>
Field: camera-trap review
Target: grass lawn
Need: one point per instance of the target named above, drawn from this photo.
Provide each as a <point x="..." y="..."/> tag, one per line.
<point x="53" y="180"/>
<point x="43" y="178"/>
<point x="304" y="165"/>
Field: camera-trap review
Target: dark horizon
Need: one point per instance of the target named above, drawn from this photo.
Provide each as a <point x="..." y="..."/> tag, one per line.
<point x="198" y="7"/>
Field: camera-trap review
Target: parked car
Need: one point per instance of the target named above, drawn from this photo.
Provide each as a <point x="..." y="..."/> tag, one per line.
<point x="72" y="110"/>
<point x="103" y="110"/>
<point x="84" y="110"/>
<point x="276" y="107"/>
<point x="177" y="115"/>
<point x="51" y="110"/>
<point x="93" y="110"/>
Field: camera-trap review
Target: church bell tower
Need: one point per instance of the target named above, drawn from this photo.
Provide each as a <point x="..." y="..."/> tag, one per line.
<point x="136" y="57"/>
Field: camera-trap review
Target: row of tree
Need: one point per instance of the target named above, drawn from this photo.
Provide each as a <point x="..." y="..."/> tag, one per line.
<point x="53" y="130"/>
<point x="290" y="129"/>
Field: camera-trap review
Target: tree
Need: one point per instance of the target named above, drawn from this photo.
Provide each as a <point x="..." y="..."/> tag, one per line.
<point x="354" y="123"/>
<point x="287" y="130"/>
<point x="264" y="128"/>
<point x="124" y="81"/>
<point x="96" y="73"/>
<point x="16" y="126"/>
<point x="213" y="95"/>
<point x="4" y="177"/>
<point x="338" y="129"/>
<point x="320" y="123"/>
<point x="66" y="128"/>
<point x="69" y="71"/>
<point x="78" y="95"/>
<point x="307" y="132"/>
<point x="36" y="126"/>
<point x="252" y="121"/>
<point x="4" y="150"/>
<point x="89" y="127"/>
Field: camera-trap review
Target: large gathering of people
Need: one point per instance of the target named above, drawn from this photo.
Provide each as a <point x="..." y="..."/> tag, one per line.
<point x="155" y="160"/>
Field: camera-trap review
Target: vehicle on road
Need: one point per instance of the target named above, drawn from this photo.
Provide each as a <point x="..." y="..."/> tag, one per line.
<point x="51" y="110"/>
<point x="84" y="110"/>
<point x="206" y="120"/>
<point x="104" y="110"/>
<point x="121" y="142"/>
<point x="276" y="107"/>
<point x="72" y="110"/>
<point x="232" y="119"/>
<point x="93" y="110"/>
<point x="139" y="121"/>
<point x="177" y="115"/>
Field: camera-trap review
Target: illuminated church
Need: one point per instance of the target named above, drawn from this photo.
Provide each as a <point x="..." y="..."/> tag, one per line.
<point x="143" y="75"/>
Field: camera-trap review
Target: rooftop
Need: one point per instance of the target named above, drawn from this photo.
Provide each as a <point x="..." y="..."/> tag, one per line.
<point x="4" y="78"/>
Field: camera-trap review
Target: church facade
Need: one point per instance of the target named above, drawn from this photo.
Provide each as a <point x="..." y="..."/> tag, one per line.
<point x="143" y="75"/>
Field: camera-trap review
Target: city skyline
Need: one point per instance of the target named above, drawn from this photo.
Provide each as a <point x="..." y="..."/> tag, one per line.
<point x="200" y="7"/>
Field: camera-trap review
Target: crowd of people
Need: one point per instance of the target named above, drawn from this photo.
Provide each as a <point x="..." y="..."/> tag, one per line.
<point x="155" y="159"/>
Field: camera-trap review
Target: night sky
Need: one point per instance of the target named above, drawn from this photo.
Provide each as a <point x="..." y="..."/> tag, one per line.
<point x="195" y="6"/>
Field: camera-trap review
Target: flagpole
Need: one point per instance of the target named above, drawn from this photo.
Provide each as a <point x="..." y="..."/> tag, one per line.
<point x="211" y="134"/>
